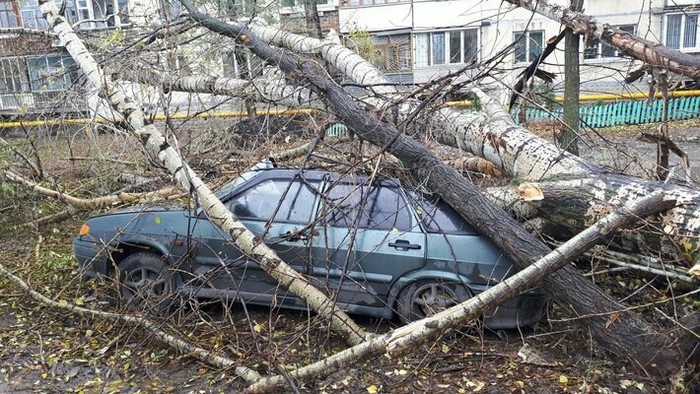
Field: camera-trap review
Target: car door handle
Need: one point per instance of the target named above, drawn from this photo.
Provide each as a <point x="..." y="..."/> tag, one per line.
<point x="402" y="244"/>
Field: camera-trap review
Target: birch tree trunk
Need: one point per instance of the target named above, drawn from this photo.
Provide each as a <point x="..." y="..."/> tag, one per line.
<point x="628" y="337"/>
<point x="217" y="212"/>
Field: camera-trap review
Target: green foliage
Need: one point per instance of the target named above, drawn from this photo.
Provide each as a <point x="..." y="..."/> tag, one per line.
<point x="361" y="42"/>
<point x="54" y="268"/>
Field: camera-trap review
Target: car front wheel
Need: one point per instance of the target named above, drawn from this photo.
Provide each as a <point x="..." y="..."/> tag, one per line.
<point x="145" y="283"/>
<point x="427" y="297"/>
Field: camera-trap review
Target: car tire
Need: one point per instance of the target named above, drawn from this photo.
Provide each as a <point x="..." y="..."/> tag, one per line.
<point x="146" y="284"/>
<point x="425" y="298"/>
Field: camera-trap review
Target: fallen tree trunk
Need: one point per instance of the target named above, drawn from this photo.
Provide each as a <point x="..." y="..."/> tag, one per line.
<point x="217" y="212"/>
<point x="401" y="339"/>
<point x="628" y="336"/>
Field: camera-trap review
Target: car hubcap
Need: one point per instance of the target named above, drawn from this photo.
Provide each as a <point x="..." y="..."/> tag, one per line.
<point x="143" y="283"/>
<point x="432" y="298"/>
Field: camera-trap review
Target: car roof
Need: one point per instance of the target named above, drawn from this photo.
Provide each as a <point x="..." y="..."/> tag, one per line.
<point x="319" y="175"/>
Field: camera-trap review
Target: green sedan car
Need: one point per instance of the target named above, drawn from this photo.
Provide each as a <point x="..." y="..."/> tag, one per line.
<point x="373" y="246"/>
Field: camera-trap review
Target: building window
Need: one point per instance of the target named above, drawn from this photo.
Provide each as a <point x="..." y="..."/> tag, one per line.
<point x="98" y="14"/>
<point x="13" y="76"/>
<point x="292" y="3"/>
<point x="596" y="49"/>
<point x="682" y="31"/>
<point x="50" y="73"/>
<point x="355" y="3"/>
<point x="528" y="45"/>
<point x="455" y="46"/>
<point x="9" y="13"/>
<point x="393" y="53"/>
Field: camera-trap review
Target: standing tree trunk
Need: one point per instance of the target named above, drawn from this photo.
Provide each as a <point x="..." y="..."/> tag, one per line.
<point x="313" y="22"/>
<point x="662" y="168"/>
<point x="568" y="137"/>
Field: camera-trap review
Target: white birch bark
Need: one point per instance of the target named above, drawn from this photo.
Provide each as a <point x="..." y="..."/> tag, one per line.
<point x="271" y="88"/>
<point x="348" y="62"/>
<point x="156" y="144"/>
<point x="91" y="203"/>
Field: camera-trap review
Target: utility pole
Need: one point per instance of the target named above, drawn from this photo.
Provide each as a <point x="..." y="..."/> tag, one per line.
<point x="568" y="137"/>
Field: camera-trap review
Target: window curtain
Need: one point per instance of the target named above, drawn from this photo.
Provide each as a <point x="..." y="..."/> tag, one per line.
<point x="691" y="29"/>
<point x="438" y="48"/>
<point x="673" y="31"/>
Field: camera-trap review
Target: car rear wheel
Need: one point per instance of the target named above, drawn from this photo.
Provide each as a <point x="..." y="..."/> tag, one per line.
<point x="146" y="284"/>
<point x="427" y="297"/>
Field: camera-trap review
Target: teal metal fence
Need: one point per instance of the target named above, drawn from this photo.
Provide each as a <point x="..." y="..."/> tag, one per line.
<point x="616" y="113"/>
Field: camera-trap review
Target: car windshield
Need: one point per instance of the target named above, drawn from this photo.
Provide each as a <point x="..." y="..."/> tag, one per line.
<point x="243" y="178"/>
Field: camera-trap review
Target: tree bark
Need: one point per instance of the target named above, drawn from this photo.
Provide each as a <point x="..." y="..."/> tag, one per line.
<point x="217" y="212"/>
<point x="568" y="137"/>
<point x="313" y="23"/>
<point x="402" y="338"/>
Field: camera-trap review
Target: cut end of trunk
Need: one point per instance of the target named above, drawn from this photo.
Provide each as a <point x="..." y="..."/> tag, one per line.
<point x="530" y="192"/>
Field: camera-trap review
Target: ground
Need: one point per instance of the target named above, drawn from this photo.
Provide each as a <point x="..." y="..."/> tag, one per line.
<point x="49" y="350"/>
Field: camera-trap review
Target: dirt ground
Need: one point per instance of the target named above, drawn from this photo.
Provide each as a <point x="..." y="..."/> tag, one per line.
<point x="44" y="350"/>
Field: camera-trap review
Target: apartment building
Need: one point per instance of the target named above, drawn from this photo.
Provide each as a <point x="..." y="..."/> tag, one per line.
<point x="413" y="41"/>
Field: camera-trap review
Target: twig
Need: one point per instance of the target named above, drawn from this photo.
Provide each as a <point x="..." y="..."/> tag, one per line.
<point x="37" y="247"/>
<point x="109" y="160"/>
<point x="650" y="265"/>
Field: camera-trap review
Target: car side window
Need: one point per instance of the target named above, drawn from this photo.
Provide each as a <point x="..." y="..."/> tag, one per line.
<point x="287" y="202"/>
<point x="438" y="217"/>
<point x="376" y="207"/>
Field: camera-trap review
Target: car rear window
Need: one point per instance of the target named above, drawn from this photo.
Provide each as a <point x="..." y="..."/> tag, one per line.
<point x="438" y="217"/>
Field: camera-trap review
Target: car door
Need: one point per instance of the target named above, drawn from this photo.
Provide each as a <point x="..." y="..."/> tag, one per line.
<point x="277" y="209"/>
<point x="366" y="239"/>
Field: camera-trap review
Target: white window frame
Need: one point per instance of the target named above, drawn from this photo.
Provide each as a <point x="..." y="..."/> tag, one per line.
<point x="681" y="38"/>
<point x="90" y="18"/>
<point x="528" y="42"/>
<point x="431" y="61"/>
<point x="13" y="69"/>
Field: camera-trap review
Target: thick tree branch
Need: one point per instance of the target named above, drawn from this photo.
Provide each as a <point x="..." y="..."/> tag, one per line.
<point x="622" y="340"/>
